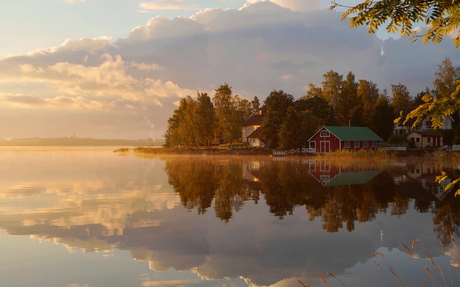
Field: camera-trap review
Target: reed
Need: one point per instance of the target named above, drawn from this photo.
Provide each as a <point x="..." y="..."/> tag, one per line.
<point x="435" y="272"/>
<point x="363" y="153"/>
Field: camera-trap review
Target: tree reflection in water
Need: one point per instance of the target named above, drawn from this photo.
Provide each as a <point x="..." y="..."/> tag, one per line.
<point x="340" y="195"/>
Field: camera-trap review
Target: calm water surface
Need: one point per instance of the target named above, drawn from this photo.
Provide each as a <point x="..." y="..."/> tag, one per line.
<point x="86" y="217"/>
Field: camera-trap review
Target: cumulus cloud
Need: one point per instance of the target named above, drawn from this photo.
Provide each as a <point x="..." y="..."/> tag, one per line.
<point x="295" y="5"/>
<point x="262" y="46"/>
<point x="74" y="1"/>
<point x="62" y="102"/>
<point x="167" y="5"/>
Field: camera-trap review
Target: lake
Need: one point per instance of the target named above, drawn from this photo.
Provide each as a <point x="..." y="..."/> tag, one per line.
<point x="87" y="217"/>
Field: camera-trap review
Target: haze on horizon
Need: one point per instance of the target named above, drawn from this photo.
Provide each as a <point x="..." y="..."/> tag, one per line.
<point x="116" y="69"/>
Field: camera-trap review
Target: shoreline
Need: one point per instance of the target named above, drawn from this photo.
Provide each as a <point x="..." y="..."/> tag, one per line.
<point x="382" y="154"/>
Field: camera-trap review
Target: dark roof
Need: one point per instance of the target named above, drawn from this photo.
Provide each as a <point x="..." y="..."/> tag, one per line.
<point x="255" y="134"/>
<point x="254" y="120"/>
<point x="354" y="134"/>
<point x="428" y="133"/>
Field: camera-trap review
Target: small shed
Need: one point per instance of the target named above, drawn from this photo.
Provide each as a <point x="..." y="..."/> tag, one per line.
<point x="422" y="139"/>
<point x="333" y="138"/>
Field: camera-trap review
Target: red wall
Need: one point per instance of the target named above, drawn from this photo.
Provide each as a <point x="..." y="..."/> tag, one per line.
<point x="334" y="143"/>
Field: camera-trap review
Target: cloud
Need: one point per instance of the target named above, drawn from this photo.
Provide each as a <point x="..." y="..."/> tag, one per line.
<point x="167" y="5"/>
<point x="295" y="5"/>
<point x="262" y="46"/>
<point x="84" y="44"/>
<point x="62" y="102"/>
<point x="74" y="1"/>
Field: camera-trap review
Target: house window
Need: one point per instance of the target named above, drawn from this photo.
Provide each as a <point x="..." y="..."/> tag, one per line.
<point x="365" y="144"/>
<point x="417" y="140"/>
<point x="429" y="139"/>
<point x="346" y="145"/>
<point x="357" y="144"/>
<point x="324" y="134"/>
<point x="312" y="144"/>
<point x="374" y="144"/>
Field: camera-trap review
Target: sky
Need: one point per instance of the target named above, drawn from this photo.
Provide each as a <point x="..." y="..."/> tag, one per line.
<point x="117" y="69"/>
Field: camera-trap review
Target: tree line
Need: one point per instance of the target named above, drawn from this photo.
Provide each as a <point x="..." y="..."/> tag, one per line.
<point x="288" y="123"/>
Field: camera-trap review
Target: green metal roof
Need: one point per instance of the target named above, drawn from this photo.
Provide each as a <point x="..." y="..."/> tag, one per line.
<point x="354" y="134"/>
<point x="352" y="178"/>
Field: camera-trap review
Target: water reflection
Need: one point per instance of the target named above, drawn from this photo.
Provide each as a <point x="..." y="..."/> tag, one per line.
<point x="339" y="195"/>
<point x="267" y="221"/>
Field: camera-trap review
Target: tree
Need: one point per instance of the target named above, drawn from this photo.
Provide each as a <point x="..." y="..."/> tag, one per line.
<point x="231" y="111"/>
<point x="332" y="87"/>
<point x="400" y="98"/>
<point x="172" y="136"/>
<point x="290" y="130"/>
<point x="318" y="106"/>
<point x="276" y="106"/>
<point x="368" y="93"/>
<point x="314" y="91"/>
<point x="206" y="119"/>
<point x="441" y="17"/>
<point x="188" y="128"/>
<point x="444" y="83"/>
<point x="382" y="118"/>
<point x="224" y="105"/>
<point x="347" y="101"/>
<point x="255" y="105"/>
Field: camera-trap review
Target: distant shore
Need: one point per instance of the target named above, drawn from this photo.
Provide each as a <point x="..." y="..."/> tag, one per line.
<point x="77" y="141"/>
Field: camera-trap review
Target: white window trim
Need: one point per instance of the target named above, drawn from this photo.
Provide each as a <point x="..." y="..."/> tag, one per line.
<point x="356" y="144"/>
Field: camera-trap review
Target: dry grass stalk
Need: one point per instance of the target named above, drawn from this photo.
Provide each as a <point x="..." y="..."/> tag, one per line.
<point x="429" y="257"/>
<point x="378" y="265"/>
<point x="428" y="271"/>
<point x="442" y="275"/>
<point x="397" y="277"/>
<point x="303" y="285"/>
<point x="453" y="240"/>
<point x="324" y="280"/>
<point x="408" y="250"/>
<point x="333" y="276"/>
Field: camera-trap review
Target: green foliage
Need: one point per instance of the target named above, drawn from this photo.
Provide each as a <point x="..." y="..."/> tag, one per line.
<point x="332" y="86"/>
<point x="441" y="17"/>
<point x="382" y="117"/>
<point x="401" y="98"/>
<point x="231" y="111"/>
<point x="397" y="140"/>
<point x="368" y="93"/>
<point x="347" y="102"/>
<point x="197" y="121"/>
<point x="317" y="105"/>
<point x="276" y="107"/>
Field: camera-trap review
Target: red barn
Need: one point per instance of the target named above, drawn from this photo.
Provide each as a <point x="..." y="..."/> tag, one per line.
<point x="329" y="139"/>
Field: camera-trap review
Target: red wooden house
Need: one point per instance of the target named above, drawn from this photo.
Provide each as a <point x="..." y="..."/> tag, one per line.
<point x="329" y="139"/>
